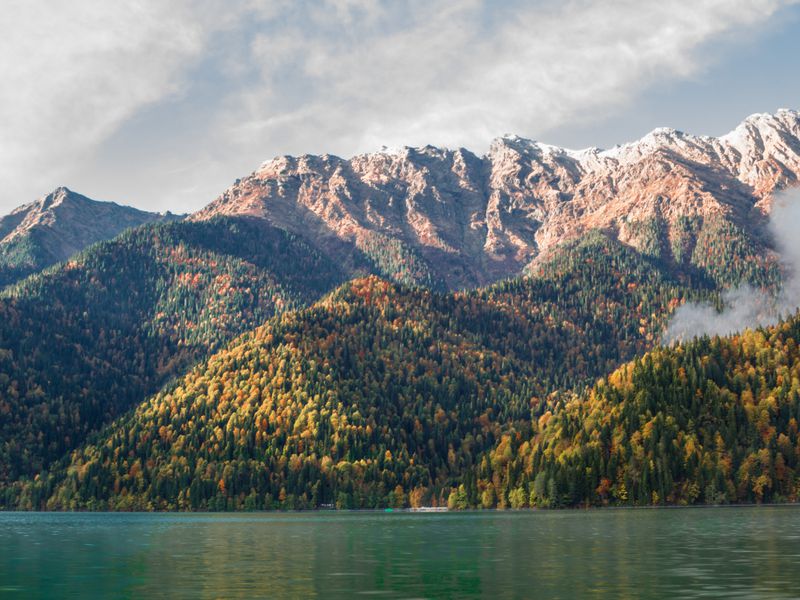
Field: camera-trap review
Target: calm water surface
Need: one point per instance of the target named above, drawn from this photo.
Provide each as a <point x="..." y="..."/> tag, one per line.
<point x="689" y="553"/>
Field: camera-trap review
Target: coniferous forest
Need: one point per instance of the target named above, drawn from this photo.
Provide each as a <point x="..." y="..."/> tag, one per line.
<point x="227" y="365"/>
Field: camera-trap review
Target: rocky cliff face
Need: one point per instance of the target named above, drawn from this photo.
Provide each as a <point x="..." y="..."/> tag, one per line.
<point x="477" y="219"/>
<point x="57" y="226"/>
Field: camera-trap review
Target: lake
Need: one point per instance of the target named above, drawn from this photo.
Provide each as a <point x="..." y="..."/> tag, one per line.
<point x="751" y="552"/>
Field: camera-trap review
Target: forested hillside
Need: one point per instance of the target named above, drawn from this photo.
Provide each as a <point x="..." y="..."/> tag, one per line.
<point x="86" y="341"/>
<point x="379" y="395"/>
<point x="367" y="400"/>
<point x="713" y="421"/>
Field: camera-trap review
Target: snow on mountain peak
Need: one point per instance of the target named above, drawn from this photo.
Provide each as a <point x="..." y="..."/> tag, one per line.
<point x="490" y="215"/>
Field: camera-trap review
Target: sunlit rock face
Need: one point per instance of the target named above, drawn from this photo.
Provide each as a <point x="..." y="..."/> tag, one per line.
<point x="478" y="219"/>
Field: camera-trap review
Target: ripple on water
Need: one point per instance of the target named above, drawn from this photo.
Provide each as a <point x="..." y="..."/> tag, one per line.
<point x="731" y="553"/>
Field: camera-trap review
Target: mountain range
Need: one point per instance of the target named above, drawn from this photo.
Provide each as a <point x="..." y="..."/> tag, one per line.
<point x="449" y="219"/>
<point x="474" y="220"/>
<point x="410" y="327"/>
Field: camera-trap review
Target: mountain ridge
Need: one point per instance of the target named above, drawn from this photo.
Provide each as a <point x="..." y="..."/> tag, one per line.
<point x="53" y="228"/>
<point x="476" y="220"/>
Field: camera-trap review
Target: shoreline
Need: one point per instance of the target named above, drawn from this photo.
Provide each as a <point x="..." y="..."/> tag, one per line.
<point x="404" y="511"/>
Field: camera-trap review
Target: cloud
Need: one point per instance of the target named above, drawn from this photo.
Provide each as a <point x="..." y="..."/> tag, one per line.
<point x="434" y="71"/>
<point x="342" y="76"/>
<point x="73" y="71"/>
<point x="745" y="307"/>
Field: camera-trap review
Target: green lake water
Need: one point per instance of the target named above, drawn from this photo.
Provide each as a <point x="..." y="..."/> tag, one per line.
<point x="683" y="553"/>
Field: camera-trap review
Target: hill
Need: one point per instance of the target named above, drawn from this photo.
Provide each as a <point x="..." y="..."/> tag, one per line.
<point x="85" y="341"/>
<point x="50" y="230"/>
<point x="378" y="395"/>
<point x="367" y="400"/>
<point x="709" y="422"/>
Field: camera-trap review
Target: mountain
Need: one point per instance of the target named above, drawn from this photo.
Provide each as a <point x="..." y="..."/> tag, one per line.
<point x="713" y="421"/>
<point x="82" y="343"/>
<point x="473" y="220"/>
<point x="376" y="394"/>
<point x="381" y="397"/>
<point x="53" y="228"/>
<point x="86" y="341"/>
<point x="496" y="377"/>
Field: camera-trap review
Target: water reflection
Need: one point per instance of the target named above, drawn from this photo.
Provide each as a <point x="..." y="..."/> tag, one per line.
<point x="693" y="553"/>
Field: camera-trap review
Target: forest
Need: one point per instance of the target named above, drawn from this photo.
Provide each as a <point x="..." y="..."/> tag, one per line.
<point x="226" y="365"/>
<point x="713" y="421"/>
<point x="85" y="341"/>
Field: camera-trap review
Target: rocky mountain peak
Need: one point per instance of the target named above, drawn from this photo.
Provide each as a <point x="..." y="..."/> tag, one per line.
<point x="58" y="225"/>
<point x="56" y="197"/>
<point x="477" y="219"/>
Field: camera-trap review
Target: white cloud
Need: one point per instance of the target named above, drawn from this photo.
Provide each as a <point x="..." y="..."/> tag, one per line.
<point x="74" y="71"/>
<point x="745" y="307"/>
<point x="451" y="75"/>
<point x="326" y="75"/>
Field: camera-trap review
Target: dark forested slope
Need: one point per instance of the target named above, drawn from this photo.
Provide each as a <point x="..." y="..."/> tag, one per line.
<point x="85" y="341"/>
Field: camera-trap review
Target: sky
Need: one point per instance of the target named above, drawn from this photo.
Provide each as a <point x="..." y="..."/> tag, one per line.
<point x="162" y="105"/>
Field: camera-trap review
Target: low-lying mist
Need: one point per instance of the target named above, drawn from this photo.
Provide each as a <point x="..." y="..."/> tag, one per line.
<point x="744" y="306"/>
